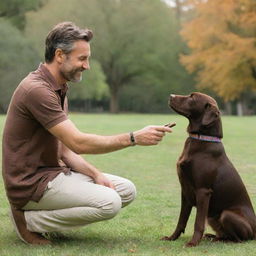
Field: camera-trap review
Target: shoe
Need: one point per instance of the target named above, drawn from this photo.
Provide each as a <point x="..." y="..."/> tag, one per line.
<point x="28" y="237"/>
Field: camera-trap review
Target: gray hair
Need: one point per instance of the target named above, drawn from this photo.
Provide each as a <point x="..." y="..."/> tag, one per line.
<point x="63" y="36"/>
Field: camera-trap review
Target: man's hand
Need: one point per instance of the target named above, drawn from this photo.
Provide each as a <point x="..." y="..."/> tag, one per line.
<point x="151" y="135"/>
<point x="101" y="179"/>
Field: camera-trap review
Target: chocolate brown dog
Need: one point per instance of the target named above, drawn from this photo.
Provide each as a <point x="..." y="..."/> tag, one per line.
<point x="208" y="179"/>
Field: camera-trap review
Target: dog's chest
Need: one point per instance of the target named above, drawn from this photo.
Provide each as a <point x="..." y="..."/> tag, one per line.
<point x="186" y="176"/>
<point x="184" y="164"/>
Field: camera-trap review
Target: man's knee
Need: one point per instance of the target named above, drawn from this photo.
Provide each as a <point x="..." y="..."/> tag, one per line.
<point x="112" y="206"/>
<point x="128" y="194"/>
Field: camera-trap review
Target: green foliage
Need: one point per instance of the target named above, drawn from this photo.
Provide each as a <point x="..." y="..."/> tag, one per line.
<point x="15" y="10"/>
<point x="17" y="59"/>
<point x="136" y="43"/>
<point x="17" y="55"/>
<point x="93" y="85"/>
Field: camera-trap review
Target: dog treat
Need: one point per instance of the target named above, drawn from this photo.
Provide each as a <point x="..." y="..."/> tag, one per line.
<point x="170" y="125"/>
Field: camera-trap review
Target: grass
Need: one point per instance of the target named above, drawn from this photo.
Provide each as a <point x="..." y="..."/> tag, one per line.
<point x="138" y="228"/>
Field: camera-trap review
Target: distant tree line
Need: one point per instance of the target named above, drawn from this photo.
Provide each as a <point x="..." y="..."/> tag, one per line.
<point x="142" y="51"/>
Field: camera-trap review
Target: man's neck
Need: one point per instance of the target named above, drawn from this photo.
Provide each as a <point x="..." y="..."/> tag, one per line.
<point x="53" y="69"/>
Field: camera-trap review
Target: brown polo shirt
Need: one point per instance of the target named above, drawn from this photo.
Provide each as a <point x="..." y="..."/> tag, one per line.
<point x="31" y="155"/>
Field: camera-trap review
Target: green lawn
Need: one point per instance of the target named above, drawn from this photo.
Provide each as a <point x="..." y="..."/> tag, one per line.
<point x="138" y="228"/>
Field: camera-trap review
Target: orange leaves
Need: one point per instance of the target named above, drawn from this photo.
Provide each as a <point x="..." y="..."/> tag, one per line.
<point x="222" y="39"/>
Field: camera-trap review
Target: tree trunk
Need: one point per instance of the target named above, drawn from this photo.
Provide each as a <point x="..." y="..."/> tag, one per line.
<point x="178" y="11"/>
<point x="239" y="108"/>
<point x="228" y="108"/>
<point x="114" y="104"/>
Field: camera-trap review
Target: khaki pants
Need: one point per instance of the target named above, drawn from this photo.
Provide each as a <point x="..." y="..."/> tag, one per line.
<point x="75" y="200"/>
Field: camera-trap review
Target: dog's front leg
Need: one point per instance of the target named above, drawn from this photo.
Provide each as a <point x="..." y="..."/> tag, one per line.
<point x="183" y="219"/>
<point x="202" y="204"/>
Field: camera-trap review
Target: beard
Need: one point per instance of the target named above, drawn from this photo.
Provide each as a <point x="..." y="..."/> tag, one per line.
<point x="72" y="74"/>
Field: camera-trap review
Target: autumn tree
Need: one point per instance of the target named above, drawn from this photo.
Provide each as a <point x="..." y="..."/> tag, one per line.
<point x="222" y="39"/>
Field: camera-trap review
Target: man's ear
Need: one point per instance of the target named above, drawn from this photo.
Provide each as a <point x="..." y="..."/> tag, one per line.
<point x="59" y="55"/>
<point x="211" y="114"/>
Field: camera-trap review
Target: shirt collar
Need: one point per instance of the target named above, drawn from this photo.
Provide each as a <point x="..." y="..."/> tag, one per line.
<point x="51" y="80"/>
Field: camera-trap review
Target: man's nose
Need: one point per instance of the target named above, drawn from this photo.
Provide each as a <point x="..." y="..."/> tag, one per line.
<point x="86" y="65"/>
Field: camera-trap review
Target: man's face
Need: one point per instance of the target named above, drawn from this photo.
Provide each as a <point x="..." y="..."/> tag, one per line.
<point x="76" y="62"/>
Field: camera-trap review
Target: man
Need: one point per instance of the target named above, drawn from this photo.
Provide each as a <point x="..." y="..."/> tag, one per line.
<point x="50" y="187"/>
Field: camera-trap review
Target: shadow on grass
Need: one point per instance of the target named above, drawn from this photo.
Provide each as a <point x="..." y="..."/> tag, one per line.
<point x="97" y="243"/>
<point x="90" y="239"/>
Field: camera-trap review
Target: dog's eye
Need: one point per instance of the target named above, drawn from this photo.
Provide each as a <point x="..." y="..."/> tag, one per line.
<point x="192" y="97"/>
<point x="207" y="105"/>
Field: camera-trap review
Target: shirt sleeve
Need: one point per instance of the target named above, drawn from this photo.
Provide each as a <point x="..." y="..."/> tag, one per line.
<point x="45" y="106"/>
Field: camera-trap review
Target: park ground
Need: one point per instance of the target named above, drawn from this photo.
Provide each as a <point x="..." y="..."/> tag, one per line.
<point x="138" y="228"/>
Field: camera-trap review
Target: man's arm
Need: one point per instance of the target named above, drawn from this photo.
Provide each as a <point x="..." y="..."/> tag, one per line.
<point x="79" y="164"/>
<point x="85" y="143"/>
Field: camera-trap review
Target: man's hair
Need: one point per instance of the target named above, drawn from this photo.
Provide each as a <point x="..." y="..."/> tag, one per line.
<point x="63" y="36"/>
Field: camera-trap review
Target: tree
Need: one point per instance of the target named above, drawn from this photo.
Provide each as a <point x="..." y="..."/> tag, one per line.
<point x="92" y="86"/>
<point x="135" y="35"/>
<point x="222" y="40"/>
<point x="134" y="41"/>
<point x="17" y="59"/>
<point x="17" y="55"/>
<point x="15" y="10"/>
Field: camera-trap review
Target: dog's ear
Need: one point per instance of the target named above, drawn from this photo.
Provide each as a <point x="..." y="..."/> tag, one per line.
<point x="211" y="114"/>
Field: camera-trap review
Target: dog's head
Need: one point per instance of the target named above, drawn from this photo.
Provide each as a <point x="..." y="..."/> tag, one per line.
<point x="201" y="110"/>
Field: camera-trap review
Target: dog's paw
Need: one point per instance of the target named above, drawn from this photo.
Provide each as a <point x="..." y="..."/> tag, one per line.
<point x="191" y="244"/>
<point x="165" y="238"/>
<point x="169" y="238"/>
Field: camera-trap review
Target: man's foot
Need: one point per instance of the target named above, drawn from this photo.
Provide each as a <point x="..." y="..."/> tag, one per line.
<point x="28" y="237"/>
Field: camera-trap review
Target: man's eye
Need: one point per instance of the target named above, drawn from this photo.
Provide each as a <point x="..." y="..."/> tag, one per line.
<point x="83" y="58"/>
